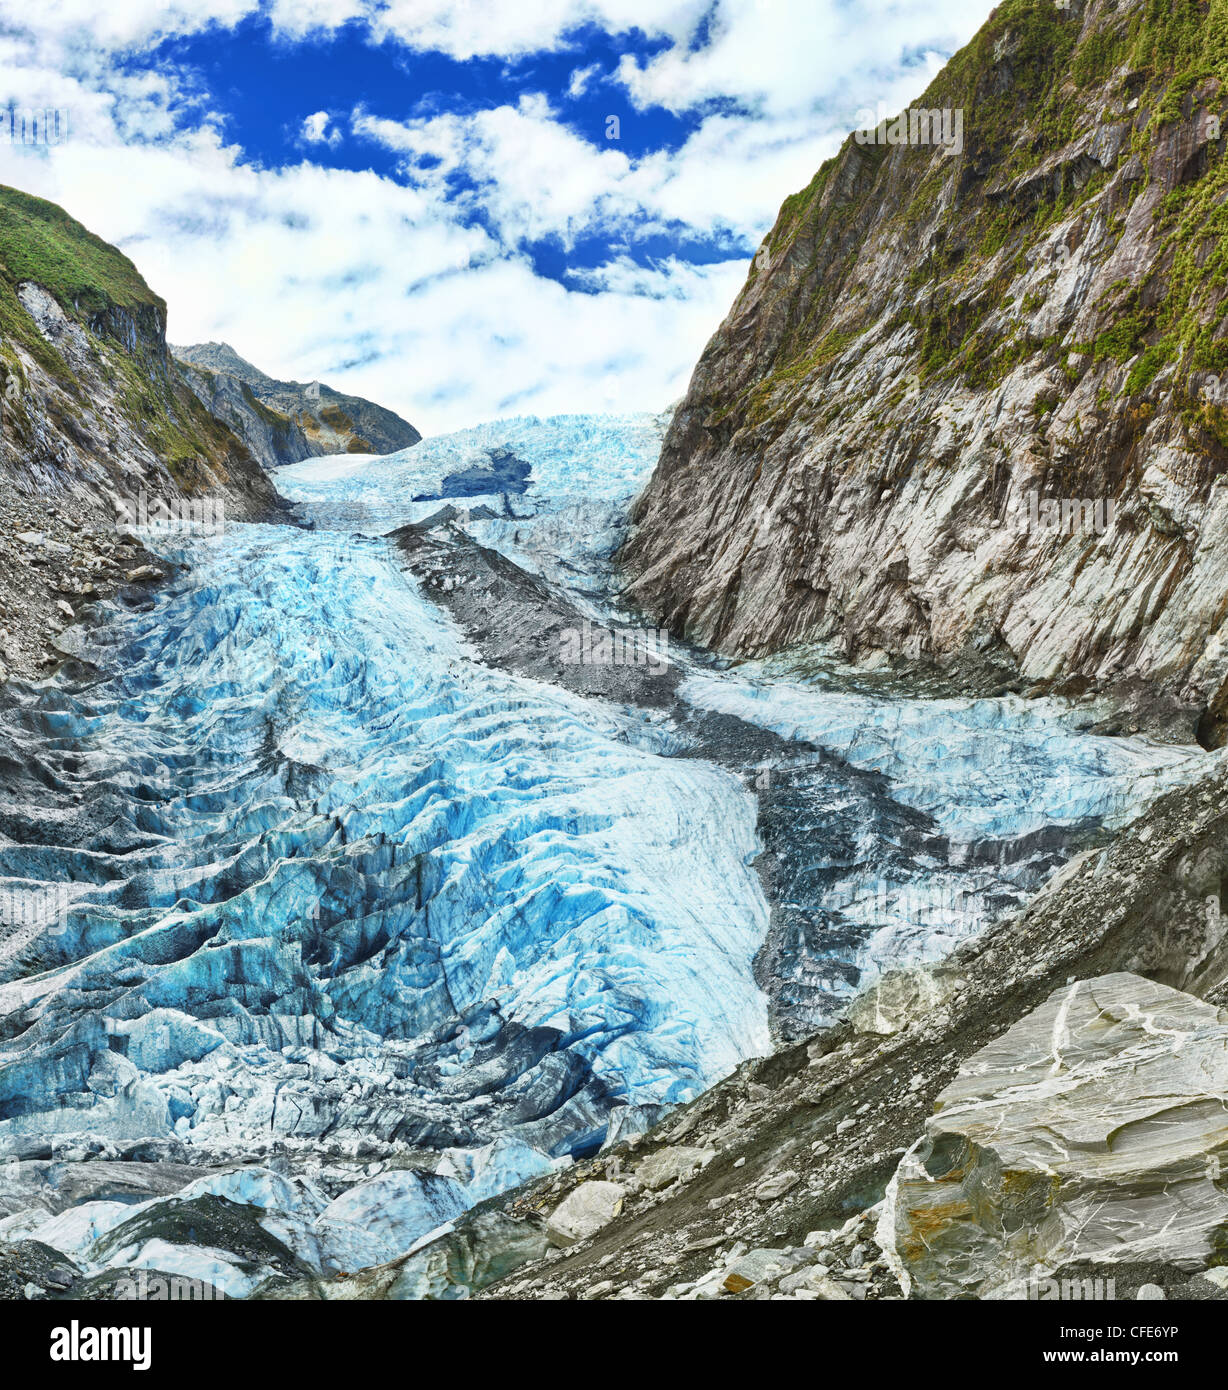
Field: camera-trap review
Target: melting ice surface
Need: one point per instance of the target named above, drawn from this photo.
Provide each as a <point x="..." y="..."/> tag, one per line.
<point x="989" y="768"/>
<point x="339" y="895"/>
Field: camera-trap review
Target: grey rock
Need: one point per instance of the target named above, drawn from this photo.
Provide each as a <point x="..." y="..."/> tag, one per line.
<point x="814" y="1280"/>
<point x="754" y="1267"/>
<point x="1092" y="1130"/>
<point x="584" y="1211"/>
<point x="284" y="421"/>
<point x="671" y="1164"/>
<point x="776" y="1186"/>
<point x="826" y="479"/>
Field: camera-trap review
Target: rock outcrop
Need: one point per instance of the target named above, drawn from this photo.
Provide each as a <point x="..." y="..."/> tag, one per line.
<point x="968" y="411"/>
<point x="1094" y="1131"/>
<point x="584" y="1211"/>
<point x="272" y="437"/>
<point x="285" y="421"/>
<point x="98" y="431"/>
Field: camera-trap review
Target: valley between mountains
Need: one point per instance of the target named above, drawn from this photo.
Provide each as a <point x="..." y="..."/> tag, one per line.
<point x="698" y="856"/>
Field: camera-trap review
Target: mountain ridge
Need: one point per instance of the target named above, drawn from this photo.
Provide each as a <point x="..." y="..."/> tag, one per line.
<point x="287" y="421"/>
<point x="931" y="339"/>
<point x="96" y="423"/>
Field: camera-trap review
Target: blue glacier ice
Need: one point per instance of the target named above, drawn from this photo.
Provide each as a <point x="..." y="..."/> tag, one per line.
<point x="1007" y="784"/>
<point x="987" y="767"/>
<point x="323" y="828"/>
<point x="371" y="930"/>
<point x="585" y="470"/>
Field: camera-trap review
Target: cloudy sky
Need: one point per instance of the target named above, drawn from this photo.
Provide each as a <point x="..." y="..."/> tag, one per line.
<point x="461" y="209"/>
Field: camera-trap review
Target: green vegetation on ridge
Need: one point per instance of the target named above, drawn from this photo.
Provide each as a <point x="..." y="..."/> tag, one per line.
<point x="1029" y="84"/>
<point x="41" y="242"/>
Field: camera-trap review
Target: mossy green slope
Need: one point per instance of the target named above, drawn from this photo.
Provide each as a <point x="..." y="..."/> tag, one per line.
<point x="122" y="357"/>
<point x="1161" y="52"/>
<point x="39" y="241"/>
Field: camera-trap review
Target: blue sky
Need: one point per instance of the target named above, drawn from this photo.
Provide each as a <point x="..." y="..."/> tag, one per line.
<point x="461" y="209"/>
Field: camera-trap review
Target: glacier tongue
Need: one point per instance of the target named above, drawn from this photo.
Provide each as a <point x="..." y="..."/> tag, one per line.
<point x="985" y="767"/>
<point x="297" y="883"/>
<point x="322" y="828"/>
<point x="1006" y="789"/>
<point x="584" y="471"/>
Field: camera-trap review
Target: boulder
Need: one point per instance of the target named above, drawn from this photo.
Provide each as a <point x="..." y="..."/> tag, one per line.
<point x="755" y="1267"/>
<point x="900" y="997"/>
<point x="1095" y="1130"/>
<point x="776" y="1186"/>
<point x="584" y="1211"/>
<point x="669" y="1164"/>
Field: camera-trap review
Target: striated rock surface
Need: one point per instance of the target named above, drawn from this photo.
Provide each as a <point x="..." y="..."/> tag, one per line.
<point x="940" y="345"/>
<point x="1093" y="1131"/>
<point x="584" y="1211"/>
<point x="675" y="1163"/>
<point x="286" y="421"/>
<point x="97" y="431"/>
<point x="272" y="437"/>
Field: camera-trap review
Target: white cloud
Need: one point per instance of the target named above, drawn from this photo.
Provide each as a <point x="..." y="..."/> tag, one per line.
<point x="783" y="59"/>
<point x="472" y="28"/>
<point x="132" y="24"/>
<point x="423" y="297"/>
<point x="581" y="79"/>
<point x="535" y="178"/>
<point x="316" y="132"/>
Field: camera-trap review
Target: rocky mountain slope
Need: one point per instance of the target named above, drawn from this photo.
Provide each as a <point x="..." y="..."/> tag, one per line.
<point x="969" y="411"/>
<point x="286" y="421"/>
<point x="97" y="431"/>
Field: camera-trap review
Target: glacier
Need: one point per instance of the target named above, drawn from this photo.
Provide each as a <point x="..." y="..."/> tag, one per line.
<point x="341" y="928"/>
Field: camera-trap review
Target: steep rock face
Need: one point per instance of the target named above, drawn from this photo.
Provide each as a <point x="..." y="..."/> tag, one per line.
<point x="285" y="421"/>
<point x="940" y="344"/>
<point x="95" y="423"/>
<point x="1093" y="1131"/>
<point x="272" y="437"/>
